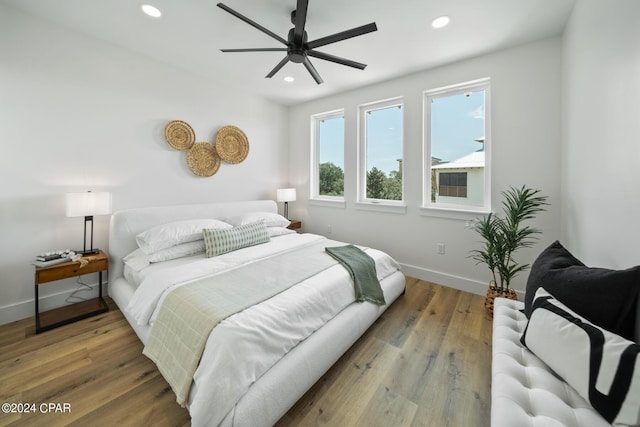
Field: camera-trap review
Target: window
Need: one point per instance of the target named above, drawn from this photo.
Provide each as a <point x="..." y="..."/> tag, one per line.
<point x="328" y="156"/>
<point x="380" y="155"/>
<point x="457" y="147"/>
<point x="452" y="184"/>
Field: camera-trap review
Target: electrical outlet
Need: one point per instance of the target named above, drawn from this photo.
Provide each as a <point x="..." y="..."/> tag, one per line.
<point x="329" y="229"/>
<point x="440" y="247"/>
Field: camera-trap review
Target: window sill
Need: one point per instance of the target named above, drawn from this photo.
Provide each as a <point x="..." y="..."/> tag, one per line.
<point x="382" y="207"/>
<point x="452" y="213"/>
<point x="331" y="203"/>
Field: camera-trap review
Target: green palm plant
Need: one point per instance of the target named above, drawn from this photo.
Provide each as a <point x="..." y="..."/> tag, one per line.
<point x="504" y="236"/>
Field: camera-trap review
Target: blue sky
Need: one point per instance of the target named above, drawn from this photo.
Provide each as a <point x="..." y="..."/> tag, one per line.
<point x="332" y="141"/>
<point x="457" y="121"/>
<point x="384" y="145"/>
<point x="384" y="139"/>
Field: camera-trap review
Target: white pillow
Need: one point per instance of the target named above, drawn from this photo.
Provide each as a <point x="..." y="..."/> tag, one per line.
<point x="178" y="251"/>
<point x="270" y="219"/>
<point x="601" y="366"/>
<point x="137" y="260"/>
<point x="279" y="231"/>
<point x="173" y="233"/>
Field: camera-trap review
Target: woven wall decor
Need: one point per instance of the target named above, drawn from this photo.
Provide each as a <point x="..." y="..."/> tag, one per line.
<point x="202" y="159"/>
<point x="232" y="144"/>
<point x="179" y="135"/>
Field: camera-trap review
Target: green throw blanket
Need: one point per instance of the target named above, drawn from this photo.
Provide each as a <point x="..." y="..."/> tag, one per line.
<point x="362" y="269"/>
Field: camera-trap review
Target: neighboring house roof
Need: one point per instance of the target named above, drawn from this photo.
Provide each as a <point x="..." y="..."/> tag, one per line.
<point x="472" y="160"/>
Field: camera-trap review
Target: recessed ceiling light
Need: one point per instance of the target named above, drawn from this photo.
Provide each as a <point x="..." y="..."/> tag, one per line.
<point x="289" y="79"/>
<point x="151" y="10"/>
<point x="440" y="22"/>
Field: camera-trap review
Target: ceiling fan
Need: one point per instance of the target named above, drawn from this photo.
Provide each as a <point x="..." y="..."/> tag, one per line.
<point x="298" y="48"/>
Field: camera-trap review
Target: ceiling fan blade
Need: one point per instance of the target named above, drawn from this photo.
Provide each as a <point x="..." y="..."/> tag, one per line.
<point x="258" y="49"/>
<point x="343" y="35"/>
<point x="252" y="23"/>
<point x="312" y="70"/>
<point x="301" y="19"/>
<point x="336" y="59"/>
<point x="278" y="67"/>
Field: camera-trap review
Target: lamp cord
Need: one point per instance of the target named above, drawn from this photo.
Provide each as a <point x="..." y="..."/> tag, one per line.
<point x="82" y="287"/>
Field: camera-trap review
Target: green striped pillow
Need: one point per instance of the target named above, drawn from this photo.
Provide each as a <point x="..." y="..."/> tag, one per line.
<point x="220" y="241"/>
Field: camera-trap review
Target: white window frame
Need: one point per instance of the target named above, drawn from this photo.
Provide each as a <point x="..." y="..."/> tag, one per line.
<point x="314" y="180"/>
<point x="451" y="210"/>
<point x="397" y="206"/>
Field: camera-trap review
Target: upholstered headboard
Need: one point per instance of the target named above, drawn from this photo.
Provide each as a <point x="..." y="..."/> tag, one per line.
<point x="126" y="224"/>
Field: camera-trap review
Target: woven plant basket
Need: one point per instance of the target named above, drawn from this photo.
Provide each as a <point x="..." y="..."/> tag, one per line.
<point x="232" y="144"/>
<point x="179" y="135"/>
<point x="202" y="159"/>
<point x="494" y="292"/>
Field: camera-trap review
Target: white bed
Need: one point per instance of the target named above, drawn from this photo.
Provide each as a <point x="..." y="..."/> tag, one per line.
<point x="279" y="385"/>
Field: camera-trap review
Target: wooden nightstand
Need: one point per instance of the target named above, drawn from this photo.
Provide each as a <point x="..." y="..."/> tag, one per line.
<point x="295" y="224"/>
<point x="70" y="313"/>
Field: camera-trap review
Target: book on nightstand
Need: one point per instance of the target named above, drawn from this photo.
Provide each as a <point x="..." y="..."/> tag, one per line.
<point x="55" y="261"/>
<point x="48" y="257"/>
<point x="52" y="258"/>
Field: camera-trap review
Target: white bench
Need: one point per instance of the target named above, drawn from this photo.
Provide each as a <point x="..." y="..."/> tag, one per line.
<point x="524" y="391"/>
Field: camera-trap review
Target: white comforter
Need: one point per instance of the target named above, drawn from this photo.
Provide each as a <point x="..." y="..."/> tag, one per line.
<point x="246" y="345"/>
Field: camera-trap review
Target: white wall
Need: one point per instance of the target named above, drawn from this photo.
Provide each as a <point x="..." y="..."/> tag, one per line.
<point x="526" y="111"/>
<point x="601" y="130"/>
<point x="78" y="114"/>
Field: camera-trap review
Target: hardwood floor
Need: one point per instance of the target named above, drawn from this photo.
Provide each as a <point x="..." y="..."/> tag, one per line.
<point x="425" y="362"/>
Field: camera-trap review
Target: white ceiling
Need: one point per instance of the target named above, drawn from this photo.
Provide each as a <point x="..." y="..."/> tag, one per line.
<point x="190" y="33"/>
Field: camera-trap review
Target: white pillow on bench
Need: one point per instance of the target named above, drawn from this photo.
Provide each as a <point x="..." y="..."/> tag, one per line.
<point x="601" y="366"/>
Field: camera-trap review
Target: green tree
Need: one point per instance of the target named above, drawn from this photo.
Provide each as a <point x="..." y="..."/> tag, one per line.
<point x="331" y="180"/>
<point x="393" y="186"/>
<point x="376" y="183"/>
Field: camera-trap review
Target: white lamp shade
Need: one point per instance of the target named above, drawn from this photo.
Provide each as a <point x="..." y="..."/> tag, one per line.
<point x="88" y="203"/>
<point x="286" y="195"/>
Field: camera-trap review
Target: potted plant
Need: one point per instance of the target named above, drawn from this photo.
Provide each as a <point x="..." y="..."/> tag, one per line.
<point x="504" y="236"/>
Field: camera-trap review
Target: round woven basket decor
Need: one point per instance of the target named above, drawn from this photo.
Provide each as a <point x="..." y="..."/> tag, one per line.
<point x="179" y="135"/>
<point x="232" y="144"/>
<point x="202" y="159"/>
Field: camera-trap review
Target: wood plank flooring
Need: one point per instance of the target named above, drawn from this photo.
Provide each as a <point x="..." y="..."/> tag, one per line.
<point x="425" y="362"/>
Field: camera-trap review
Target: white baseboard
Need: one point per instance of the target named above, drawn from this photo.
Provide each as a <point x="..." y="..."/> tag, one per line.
<point x="449" y="280"/>
<point x="11" y="313"/>
<point x="22" y="310"/>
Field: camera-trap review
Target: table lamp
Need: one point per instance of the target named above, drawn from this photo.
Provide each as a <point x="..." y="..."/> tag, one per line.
<point x="286" y="195"/>
<point x="88" y="204"/>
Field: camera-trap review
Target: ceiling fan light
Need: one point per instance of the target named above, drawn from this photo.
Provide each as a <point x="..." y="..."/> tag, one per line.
<point x="440" y="22"/>
<point x="150" y="10"/>
<point x="289" y="79"/>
